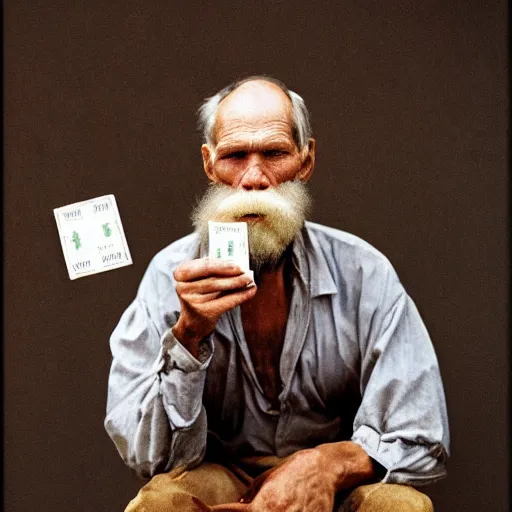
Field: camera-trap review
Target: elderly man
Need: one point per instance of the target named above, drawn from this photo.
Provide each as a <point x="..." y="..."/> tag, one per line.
<point x="315" y="388"/>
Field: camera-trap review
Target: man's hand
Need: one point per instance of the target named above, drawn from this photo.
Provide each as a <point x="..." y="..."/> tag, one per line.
<point x="207" y="289"/>
<point x="308" y="480"/>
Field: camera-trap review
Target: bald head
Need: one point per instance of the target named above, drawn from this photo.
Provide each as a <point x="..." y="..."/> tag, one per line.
<point x="257" y="91"/>
<point x="254" y="103"/>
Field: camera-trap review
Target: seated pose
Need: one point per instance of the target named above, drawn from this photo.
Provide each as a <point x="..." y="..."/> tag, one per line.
<point x="314" y="387"/>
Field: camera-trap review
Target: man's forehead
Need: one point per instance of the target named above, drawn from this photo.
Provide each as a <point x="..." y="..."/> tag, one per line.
<point x="253" y="102"/>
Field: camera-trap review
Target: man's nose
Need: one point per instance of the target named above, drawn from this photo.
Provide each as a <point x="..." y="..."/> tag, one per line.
<point x="254" y="178"/>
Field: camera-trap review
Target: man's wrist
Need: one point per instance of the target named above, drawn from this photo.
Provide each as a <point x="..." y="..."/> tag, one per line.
<point x="188" y="337"/>
<point x="351" y="465"/>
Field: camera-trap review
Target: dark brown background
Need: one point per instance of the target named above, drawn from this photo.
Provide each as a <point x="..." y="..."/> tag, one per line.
<point x="410" y="110"/>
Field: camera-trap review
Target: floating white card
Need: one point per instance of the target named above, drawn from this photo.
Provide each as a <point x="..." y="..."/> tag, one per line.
<point x="92" y="236"/>
<point x="229" y="241"/>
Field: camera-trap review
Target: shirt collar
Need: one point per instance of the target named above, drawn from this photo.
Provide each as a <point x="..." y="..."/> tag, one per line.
<point x="309" y="260"/>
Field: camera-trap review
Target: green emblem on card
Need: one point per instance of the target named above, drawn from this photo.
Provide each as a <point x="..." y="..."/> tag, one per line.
<point x="76" y="240"/>
<point x="106" y="229"/>
<point x="231" y="248"/>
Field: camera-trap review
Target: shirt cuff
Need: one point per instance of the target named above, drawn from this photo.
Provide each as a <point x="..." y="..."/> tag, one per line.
<point x="405" y="463"/>
<point x="182" y="379"/>
<point x="174" y="355"/>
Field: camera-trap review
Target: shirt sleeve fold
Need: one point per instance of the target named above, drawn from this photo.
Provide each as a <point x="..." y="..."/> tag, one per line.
<point x="155" y="415"/>
<point x="402" y="420"/>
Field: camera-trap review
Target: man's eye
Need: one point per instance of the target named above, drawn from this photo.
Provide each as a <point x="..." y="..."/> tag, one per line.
<point x="236" y="155"/>
<point x="273" y="153"/>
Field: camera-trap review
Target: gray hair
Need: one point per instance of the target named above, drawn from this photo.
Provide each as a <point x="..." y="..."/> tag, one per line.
<point x="301" y="125"/>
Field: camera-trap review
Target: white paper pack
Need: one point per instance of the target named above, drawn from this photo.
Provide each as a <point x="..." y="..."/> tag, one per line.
<point x="92" y="236"/>
<point x="229" y="241"/>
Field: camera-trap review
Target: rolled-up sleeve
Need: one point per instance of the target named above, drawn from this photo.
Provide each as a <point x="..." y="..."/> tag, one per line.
<point x="155" y="415"/>
<point x="402" y="420"/>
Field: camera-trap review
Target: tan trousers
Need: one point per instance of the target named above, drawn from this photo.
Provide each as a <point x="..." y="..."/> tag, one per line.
<point x="214" y="484"/>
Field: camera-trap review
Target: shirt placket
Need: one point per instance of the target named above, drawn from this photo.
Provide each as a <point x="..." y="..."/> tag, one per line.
<point x="295" y="337"/>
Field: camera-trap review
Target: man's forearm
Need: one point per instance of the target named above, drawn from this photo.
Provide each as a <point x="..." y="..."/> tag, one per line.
<point x="350" y="463"/>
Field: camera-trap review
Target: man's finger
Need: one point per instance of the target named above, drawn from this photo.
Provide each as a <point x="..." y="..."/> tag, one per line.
<point x="213" y="284"/>
<point x="231" y="300"/>
<point x="205" y="267"/>
<point x="256" y="484"/>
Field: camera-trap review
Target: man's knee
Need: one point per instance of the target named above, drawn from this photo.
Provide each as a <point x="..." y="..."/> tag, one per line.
<point x="153" y="501"/>
<point x="211" y="484"/>
<point x="387" y="498"/>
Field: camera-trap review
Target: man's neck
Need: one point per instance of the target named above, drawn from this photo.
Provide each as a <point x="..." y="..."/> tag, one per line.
<point x="269" y="274"/>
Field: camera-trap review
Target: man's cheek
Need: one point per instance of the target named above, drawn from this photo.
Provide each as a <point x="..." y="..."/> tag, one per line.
<point x="228" y="173"/>
<point x="286" y="169"/>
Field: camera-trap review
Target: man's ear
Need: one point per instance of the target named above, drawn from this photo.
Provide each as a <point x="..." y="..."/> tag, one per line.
<point x="308" y="162"/>
<point x="208" y="156"/>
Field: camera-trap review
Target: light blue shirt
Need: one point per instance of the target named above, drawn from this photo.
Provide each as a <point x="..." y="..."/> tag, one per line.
<point x="357" y="364"/>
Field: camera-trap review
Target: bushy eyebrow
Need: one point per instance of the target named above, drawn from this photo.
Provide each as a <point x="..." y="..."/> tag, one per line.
<point x="238" y="146"/>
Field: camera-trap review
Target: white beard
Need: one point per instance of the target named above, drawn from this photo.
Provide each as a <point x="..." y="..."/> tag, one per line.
<point x="282" y="211"/>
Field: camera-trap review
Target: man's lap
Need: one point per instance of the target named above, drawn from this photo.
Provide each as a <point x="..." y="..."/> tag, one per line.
<point x="214" y="484"/>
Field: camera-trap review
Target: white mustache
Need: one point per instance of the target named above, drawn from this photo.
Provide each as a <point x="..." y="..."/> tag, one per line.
<point x="282" y="209"/>
<point x="252" y="202"/>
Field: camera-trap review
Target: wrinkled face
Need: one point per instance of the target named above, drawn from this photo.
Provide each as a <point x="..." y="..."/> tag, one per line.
<point x="256" y="170"/>
<point x="254" y="147"/>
